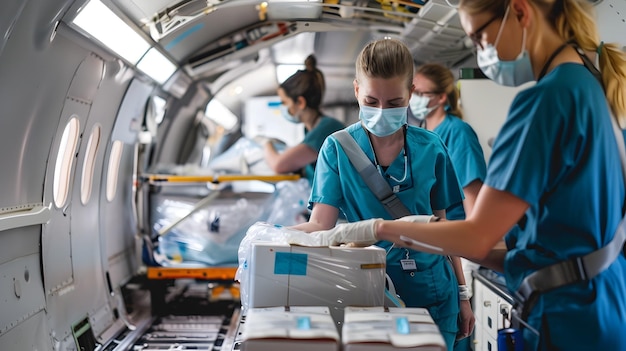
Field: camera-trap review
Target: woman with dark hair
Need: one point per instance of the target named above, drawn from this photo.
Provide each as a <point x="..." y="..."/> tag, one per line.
<point x="301" y="97"/>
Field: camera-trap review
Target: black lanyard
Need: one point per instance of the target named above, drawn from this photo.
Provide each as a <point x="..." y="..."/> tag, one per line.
<point x="544" y="70"/>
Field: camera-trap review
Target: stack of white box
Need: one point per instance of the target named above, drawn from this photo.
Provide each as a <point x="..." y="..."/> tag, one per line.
<point x="388" y="329"/>
<point x="289" y="328"/>
<point x="288" y="275"/>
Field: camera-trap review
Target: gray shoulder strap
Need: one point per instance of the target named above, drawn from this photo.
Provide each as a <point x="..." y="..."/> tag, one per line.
<point x="370" y="175"/>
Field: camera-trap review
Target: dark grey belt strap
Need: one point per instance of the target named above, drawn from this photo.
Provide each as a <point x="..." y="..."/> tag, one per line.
<point x="575" y="270"/>
<point x="374" y="180"/>
<point x="583" y="268"/>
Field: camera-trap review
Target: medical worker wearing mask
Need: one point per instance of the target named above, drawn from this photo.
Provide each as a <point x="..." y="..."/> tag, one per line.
<point x="416" y="166"/>
<point x="554" y="185"/>
<point x="301" y="97"/>
<point x="435" y="102"/>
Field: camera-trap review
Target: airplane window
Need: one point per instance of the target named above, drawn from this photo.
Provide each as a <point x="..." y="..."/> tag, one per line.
<point x="220" y="114"/>
<point x="63" y="165"/>
<point x="89" y="164"/>
<point x="155" y="111"/>
<point x="113" y="171"/>
<point x="159" y="108"/>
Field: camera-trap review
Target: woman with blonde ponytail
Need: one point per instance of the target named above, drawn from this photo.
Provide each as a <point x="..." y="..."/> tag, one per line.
<point x="435" y="101"/>
<point x="554" y="188"/>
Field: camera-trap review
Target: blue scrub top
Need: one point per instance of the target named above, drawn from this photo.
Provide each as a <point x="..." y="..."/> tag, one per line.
<point x="315" y="137"/>
<point x="431" y="183"/>
<point x="466" y="154"/>
<point x="557" y="152"/>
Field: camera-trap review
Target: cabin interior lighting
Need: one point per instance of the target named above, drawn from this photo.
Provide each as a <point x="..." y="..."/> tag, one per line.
<point x="157" y="66"/>
<point x="100" y="22"/>
<point x="285" y="71"/>
<point x="220" y="114"/>
<point x="287" y="9"/>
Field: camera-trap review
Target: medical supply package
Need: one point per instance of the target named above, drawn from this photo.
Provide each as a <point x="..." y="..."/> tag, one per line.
<point x="302" y="328"/>
<point x="274" y="273"/>
<point x="389" y="329"/>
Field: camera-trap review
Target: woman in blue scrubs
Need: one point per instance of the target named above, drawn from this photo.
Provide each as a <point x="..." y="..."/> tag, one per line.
<point x="554" y="185"/>
<point x="435" y="102"/>
<point x="301" y="97"/>
<point x="416" y="166"/>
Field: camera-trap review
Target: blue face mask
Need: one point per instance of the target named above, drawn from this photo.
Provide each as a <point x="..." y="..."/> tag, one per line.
<point x="419" y="106"/>
<point x="508" y="73"/>
<point x="284" y="111"/>
<point x="383" y="121"/>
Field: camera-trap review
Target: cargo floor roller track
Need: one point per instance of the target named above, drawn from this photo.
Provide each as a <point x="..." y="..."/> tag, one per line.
<point x="181" y="309"/>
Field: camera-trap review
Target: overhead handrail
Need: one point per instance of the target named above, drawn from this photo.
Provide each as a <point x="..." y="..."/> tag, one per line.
<point x="163" y="178"/>
<point x="38" y="214"/>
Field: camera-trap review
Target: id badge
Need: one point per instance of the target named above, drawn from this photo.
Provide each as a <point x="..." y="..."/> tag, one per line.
<point x="408" y="265"/>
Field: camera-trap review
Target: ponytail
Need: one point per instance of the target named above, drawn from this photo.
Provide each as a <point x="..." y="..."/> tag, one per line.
<point x="453" y="102"/>
<point x="443" y="80"/>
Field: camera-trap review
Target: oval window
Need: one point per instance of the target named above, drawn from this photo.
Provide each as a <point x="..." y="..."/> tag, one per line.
<point x="113" y="170"/>
<point x="64" y="160"/>
<point x="89" y="164"/>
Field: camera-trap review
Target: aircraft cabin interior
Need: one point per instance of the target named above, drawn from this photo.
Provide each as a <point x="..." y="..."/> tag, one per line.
<point x="131" y="168"/>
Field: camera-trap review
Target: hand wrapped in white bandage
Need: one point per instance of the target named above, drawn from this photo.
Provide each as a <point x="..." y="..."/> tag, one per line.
<point x="419" y="218"/>
<point x="362" y="233"/>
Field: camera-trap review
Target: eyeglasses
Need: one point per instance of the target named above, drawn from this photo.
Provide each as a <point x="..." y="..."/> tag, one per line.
<point x="422" y="93"/>
<point x="476" y="36"/>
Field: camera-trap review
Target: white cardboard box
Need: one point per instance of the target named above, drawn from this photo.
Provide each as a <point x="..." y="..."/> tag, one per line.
<point x="300" y="328"/>
<point x="287" y="275"/>
<point x="389" y="329"/>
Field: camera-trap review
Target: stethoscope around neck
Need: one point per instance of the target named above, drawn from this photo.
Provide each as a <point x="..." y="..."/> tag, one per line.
<point x="406" y="158"/>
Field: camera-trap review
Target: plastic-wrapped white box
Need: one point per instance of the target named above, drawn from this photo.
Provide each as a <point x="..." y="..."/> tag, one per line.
<point x="299" y="328"/>
<point x="390" y="329"/>
<point x="288" y="275"/>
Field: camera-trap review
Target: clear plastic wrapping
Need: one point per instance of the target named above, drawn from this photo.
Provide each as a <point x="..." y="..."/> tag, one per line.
<point x="245" y="156"/>
<point x="211" y="235"/>
<point x="274" y="273"/>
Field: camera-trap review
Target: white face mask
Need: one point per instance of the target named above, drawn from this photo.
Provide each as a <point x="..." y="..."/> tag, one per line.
<point x="382" y="121"/>
<point x="419" y="106"/>
<point x="508" y="73"/>
<point x="284" y="111"/>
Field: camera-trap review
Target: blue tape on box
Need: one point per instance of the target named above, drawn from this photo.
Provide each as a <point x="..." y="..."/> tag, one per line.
<point x="402" y="325"/>
<point x="290" y="263"/>
<point x="303" y="323"/>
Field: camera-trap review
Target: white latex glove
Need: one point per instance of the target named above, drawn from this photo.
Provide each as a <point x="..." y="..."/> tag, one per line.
<point x="362" y="233"/>
<point x="418" y="218"/>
